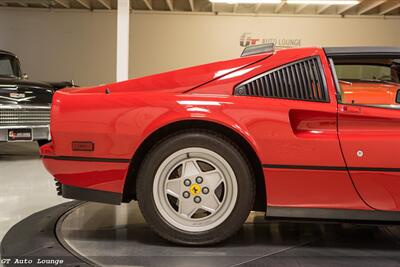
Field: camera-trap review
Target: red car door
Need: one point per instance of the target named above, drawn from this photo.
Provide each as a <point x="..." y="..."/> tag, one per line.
<point x="369" y="127"/>
<point x="370" y="140"/>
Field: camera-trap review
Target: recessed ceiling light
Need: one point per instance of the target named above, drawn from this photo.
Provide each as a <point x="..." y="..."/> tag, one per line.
<point x="247" y="1"/>
<point x="324" y="2"/>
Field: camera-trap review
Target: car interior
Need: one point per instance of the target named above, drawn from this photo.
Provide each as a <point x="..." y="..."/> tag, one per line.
<point x="361" y="78"/>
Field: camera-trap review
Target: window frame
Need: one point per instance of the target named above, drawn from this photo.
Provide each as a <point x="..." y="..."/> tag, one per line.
<point x="339" y="91"/>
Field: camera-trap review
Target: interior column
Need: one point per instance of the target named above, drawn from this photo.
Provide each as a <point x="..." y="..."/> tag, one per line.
<point x="123" y="40"/>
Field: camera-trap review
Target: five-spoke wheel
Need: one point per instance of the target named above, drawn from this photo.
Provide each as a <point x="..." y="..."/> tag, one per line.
<point x="195" y="187"/>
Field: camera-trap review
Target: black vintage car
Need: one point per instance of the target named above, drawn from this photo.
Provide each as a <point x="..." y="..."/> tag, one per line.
<point x="24" y="105"/>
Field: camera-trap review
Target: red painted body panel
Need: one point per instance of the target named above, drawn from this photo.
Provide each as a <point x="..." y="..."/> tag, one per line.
<point x="281" y="132"/>
<point x="375" y="132"/>
<point x="311" y="189"/>
<point x="104" y="176"/>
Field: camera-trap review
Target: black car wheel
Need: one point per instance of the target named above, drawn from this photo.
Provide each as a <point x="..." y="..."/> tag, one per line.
<point x="42" y="142"/>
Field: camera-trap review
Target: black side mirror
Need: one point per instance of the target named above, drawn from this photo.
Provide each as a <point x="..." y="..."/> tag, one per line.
<point x="398" y="97"/>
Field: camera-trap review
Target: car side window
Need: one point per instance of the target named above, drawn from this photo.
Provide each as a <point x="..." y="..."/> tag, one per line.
<point x="9" y="66"/>
<point x="299" y="80"/>
<point x="6" y="67"/>
<point x="369" y="81"/>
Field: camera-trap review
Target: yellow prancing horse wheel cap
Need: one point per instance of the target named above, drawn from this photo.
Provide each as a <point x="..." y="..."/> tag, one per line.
<point x="195" y="189"/>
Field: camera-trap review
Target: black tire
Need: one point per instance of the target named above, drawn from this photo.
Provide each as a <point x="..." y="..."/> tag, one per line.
<point x="42" y="142"/>
<point x="218" y="144"/>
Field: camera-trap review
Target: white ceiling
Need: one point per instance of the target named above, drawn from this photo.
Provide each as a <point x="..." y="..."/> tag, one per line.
<point x="364" y="8"/>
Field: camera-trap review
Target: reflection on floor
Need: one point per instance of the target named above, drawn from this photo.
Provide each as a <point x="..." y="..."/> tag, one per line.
<point x="117" y="235"/>
<point x="25" y="185"/>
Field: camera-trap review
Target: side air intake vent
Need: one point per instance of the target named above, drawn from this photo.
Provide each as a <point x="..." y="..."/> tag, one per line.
<point x="300" y="80"/>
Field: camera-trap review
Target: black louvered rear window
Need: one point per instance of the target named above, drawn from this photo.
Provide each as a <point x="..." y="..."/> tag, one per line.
<point x="300" y="80"/>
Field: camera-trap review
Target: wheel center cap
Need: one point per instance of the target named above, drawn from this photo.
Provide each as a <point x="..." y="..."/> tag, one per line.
<point x="195" y="189"/>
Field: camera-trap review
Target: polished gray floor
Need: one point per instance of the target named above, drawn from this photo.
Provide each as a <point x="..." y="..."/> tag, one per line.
<point x="25" y="185"/>
<point x="118" y="236"/>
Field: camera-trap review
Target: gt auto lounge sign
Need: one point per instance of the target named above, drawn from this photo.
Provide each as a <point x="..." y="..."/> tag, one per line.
<point x="247" y="39"/>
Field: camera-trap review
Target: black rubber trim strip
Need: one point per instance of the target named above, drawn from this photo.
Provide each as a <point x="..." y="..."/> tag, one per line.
<point x="70" y="158"/>
<point x="330" y="168"/>
<point x="86" y="194"/>
<point x="374" y="169"/>
<point x="373" y="216"/>
<point x="304" y="167"/>
<point x="361" y="51"/>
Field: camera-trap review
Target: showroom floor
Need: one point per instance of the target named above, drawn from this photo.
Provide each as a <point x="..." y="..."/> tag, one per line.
<point x="26" y="187"/>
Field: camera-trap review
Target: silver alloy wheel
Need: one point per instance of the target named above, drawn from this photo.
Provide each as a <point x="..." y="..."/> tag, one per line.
<point x="206" y="201"/>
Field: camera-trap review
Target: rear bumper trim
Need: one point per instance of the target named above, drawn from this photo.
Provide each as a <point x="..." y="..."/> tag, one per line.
<point x="86" y="194"/>
<point x="372" y="216"/>
<point x="86" y="159"/>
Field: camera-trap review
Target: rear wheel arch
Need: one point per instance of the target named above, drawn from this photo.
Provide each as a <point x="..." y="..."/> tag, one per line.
<point x="129" y="192"/>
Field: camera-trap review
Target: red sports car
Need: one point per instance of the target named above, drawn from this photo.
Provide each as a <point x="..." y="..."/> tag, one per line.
<point x="199" y="148"/>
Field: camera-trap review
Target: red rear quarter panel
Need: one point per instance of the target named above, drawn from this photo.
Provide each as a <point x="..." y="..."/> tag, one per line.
<point x="118" y="122"/>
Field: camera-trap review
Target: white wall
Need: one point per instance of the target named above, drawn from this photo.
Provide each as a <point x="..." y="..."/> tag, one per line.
<point x="80" y="45"/>
<point x="172" y="41"/>
<point x="62" y="45"/>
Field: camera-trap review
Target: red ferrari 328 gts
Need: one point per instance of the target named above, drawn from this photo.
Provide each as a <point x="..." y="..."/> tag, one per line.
<point x="299" y="133"/>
